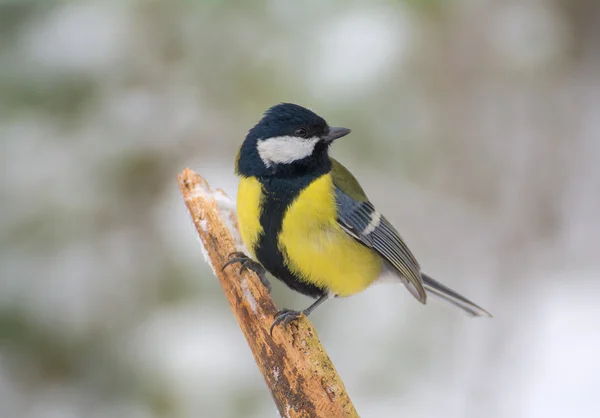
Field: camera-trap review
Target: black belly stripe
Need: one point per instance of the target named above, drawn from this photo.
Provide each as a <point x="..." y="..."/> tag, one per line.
<point x="279" y="193"/>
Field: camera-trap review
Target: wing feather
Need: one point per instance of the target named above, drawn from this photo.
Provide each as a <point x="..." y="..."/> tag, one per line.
<point x="370" y="228"/>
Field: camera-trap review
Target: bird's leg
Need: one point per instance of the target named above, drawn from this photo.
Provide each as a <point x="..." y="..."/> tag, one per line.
<point x="248" y="264"/>
<point x="286" y="316"/>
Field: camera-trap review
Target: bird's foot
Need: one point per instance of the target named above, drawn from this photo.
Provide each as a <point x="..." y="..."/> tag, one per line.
<point x="285" y="316"/>
<point x="246" y="263"/>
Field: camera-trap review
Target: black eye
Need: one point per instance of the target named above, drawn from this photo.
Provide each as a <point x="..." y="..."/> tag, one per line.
<point x="301" y="132"/>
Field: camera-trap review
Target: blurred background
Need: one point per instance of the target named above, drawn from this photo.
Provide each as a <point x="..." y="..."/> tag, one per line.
<point x="476" y="130"/>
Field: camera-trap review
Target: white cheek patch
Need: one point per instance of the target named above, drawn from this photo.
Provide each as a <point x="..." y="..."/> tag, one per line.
<point x="285" y="149"/>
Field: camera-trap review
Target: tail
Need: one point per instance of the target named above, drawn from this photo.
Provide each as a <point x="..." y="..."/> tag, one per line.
<point x="436" y="288"/>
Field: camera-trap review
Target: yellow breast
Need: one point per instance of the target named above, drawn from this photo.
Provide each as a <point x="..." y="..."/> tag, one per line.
<point x="248" y="210"/>
<point x="317" y="249"/>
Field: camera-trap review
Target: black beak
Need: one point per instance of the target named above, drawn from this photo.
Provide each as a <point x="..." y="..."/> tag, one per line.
<point x="335" y="133"/>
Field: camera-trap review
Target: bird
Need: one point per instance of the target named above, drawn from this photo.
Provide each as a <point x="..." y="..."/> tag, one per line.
<point x="305" y="219"/>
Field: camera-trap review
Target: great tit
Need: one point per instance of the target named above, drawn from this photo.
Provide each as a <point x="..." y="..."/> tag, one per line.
<point x="305" y="219"/>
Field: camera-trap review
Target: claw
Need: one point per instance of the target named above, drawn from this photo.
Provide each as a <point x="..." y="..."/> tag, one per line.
<point x="234" y="257"/>
<point x="260" y="271"/>
<point x="251" y="265"/>
<point x="286" y="316"/>
<point x="248" y="264"/>
<point x="233" y="261"/>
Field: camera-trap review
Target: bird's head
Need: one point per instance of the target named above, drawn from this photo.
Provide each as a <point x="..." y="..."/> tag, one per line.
<point x="288" y="140"/>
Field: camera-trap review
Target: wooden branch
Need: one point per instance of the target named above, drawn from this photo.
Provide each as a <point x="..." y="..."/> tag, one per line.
<point x="296" y="368"/>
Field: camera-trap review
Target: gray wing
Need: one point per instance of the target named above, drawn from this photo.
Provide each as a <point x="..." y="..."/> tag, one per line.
<point x="360" y="220"/>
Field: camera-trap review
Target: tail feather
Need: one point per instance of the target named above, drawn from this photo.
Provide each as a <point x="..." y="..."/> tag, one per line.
<point x="435" y="288"/>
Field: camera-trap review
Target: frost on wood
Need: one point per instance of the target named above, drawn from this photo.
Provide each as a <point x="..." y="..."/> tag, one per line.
<point x="248" y="296"/>
<point x="302" y="380"/>
<point x="206" y="257"/>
